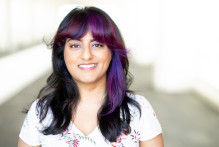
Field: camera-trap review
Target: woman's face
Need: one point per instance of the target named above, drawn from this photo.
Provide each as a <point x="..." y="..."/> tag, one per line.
<point x="86" y="59"/>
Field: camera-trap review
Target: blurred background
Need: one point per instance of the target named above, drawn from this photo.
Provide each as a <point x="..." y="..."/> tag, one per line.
<point x="174" y="56"/>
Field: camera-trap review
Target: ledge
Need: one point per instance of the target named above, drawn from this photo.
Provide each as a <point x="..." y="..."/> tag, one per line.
<point x="21" y="69"/>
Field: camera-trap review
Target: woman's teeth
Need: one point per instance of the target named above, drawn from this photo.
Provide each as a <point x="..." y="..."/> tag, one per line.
<point x="87" y="66"/>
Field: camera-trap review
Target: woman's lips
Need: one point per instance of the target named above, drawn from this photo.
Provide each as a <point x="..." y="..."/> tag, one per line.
<point x="87" y="67"/>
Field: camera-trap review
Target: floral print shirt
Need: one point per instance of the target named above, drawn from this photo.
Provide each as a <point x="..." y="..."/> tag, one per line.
<point x="142" y="128"/>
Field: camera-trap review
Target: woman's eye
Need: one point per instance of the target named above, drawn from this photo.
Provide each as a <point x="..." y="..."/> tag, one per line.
<point x="75" y="46"/>
<point x="98" y="45"/>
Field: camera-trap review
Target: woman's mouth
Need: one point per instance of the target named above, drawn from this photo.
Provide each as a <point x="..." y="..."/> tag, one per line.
<point x="87" y="67"/>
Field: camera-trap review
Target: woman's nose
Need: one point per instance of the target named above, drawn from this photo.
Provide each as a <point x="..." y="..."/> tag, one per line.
<point x="86" y="53"/>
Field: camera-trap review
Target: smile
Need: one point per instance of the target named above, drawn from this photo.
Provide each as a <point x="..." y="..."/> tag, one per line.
<point x="87" y="66"/>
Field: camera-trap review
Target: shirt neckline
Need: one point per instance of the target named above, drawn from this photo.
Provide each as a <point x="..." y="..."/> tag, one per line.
<point x="74" y="127"/>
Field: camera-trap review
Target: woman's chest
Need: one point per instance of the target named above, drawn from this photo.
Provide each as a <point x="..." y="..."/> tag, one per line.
<point x="67" y="139"/>
<point x="74" y="138"/>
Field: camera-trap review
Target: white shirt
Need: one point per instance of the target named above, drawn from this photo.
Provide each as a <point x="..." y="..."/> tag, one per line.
<point x="143" y="128"/>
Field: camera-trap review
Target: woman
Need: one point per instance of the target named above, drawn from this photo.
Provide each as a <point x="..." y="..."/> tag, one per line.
<point x="86" y="101"/>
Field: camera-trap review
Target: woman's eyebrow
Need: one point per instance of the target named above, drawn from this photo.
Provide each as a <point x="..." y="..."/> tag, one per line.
<point x="69" y="39"/>
<point x="92" y="40"/>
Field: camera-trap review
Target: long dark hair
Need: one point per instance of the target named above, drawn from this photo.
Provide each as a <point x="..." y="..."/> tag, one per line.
<point x="61" y="93"/>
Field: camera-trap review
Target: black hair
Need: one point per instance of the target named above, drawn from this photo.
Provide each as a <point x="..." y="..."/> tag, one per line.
<point x="61" y="93"/>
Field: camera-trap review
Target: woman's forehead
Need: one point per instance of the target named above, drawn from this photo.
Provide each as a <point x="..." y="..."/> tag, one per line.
<point x="88" y="36"/>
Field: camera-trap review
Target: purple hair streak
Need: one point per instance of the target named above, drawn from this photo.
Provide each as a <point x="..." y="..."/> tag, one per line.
<point x="116" y="80"/>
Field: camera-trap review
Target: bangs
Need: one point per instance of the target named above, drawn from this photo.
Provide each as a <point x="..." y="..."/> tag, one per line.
<point x="75" y="28"/>
<point x="79" y="21"/>
<point x="100" y="29"/>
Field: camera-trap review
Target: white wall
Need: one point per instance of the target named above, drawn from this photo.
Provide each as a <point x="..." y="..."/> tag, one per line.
<point x="188" y="47"/>
<point x="24" y="23"/>
<point x="21" y="69"/>
<point x="4" y="22"/>
<point x="175" y="63"/>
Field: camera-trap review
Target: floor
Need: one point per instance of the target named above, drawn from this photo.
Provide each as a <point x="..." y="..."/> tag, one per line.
<point x="187" y="121"/>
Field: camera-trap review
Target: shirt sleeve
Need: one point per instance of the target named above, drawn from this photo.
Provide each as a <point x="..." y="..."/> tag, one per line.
<point x="149" y="126"/>
<point x="30" y="129"/>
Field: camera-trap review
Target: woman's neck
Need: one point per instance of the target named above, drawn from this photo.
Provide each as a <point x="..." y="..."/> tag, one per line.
<point x="91" y="94"/>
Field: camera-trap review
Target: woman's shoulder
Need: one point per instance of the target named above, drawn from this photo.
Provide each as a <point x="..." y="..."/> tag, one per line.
<point x="35" y="111"/>
<point x="33" y="108"/>
<point x="141" y="100"/>
<point x="146" y="109"/>
<point x="148" y="125"/>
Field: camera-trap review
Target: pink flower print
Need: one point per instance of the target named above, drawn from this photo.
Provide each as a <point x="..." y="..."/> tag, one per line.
<point x="66" y="132"/>
<point x="39" y="127"/>
<point x="136" y="136"/>
<point x="154" y="114"/>
<point x="118" y="145"/>
<point x="73" y="143"/>
<point x="119" y="142"/>
<point x="126" y="132"/>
